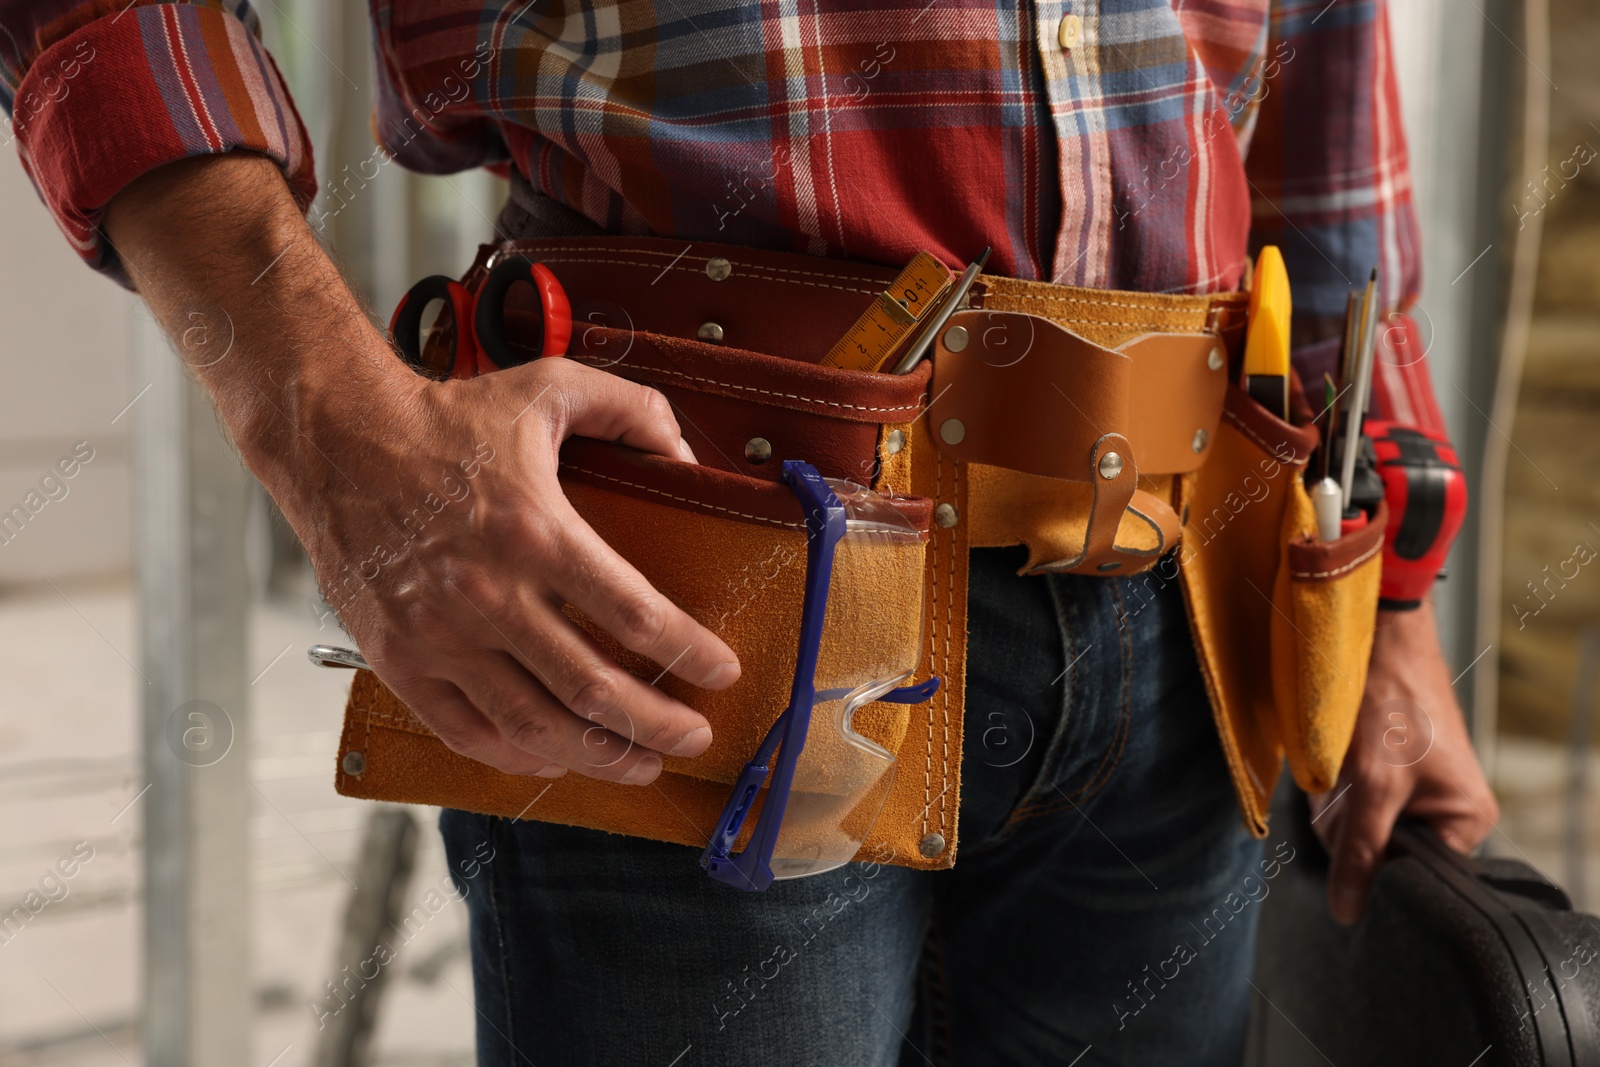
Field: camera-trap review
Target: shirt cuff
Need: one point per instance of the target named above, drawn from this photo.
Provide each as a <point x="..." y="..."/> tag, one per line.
<point x="126" y="94"/>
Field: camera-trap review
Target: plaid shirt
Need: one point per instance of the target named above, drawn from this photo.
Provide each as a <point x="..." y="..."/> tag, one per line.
<point x="1124" y="144"/>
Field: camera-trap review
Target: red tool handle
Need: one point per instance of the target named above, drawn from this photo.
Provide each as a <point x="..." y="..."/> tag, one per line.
<point x="1427" y="499"/>
<point x="456" y="360"/>
<point x="489" y="320"/>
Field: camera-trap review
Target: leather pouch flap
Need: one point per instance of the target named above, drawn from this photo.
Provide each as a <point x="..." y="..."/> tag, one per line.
<point x="1023" y="393"/>
<point x="1018" y="391"/>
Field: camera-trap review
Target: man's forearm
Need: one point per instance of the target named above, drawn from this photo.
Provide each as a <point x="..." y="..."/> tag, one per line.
<point x="457" y="609"/>
<point x="229" y="267"/>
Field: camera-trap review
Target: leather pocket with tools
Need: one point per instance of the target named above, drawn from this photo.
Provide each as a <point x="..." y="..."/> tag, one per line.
<point x="1326" y="601"/>
<point x="1234" y="510"/>
<point x="1284" y="623"/>
<point x="724" y="540"/>
<point x="744" y="582"/>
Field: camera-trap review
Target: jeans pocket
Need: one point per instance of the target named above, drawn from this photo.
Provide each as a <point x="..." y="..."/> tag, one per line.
<point x="1096" y="715"/>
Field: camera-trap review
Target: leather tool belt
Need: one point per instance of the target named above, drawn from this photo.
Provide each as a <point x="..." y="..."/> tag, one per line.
<point x="1094" y="427"/>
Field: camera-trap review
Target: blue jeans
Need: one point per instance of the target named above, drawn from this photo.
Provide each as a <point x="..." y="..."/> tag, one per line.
<point x="1102" y="909"/>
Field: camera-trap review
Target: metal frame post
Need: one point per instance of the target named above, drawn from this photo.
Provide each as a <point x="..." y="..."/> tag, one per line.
<point x="188" y="518"/>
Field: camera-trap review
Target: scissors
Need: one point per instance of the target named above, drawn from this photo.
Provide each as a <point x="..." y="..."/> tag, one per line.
<point x="479" y="344"/>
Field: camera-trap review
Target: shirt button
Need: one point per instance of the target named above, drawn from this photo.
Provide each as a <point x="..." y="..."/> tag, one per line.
<point x="1070" y="32"/>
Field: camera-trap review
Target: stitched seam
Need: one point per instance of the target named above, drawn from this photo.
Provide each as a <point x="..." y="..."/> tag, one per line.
<point x="500" y="937"/>
<point x="1009" y="289"/>
<point x="588" y="253"/>
<point x="1130" y="324"/>
<point x="933" y="647"/>
<point x="581" y="254"/>
<point x="366" y="736"/>
<point x="759" y="273"/>
<point x="937" y="994"/>
<point x="1352" y="565"/>
<point x="1102" y="773"/>
<point x="646" y="369"/>
<point x="684" y="499"/>
<point x="1113" y="752"/>
<point x="1091" y="302"/>
<point x="766" y="273"/>
<point x="1027" y="811"/>
<point x="1125" y="721"/>
<point x="1298" y="461"/>
<point x="405" y="723"/>
<point x="949" y="602"/>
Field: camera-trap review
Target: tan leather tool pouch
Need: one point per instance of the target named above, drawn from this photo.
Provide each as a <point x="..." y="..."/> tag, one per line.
<point x="1322" y="632"/>
<point x="725" y="541"/>
<point x="1283" y="624"/>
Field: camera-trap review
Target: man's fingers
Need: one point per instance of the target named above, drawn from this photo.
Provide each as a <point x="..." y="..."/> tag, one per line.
<point x="606" y="588"/>
<point x="1461" y="822"/>
<point x="464" y="729"/>
<point x="607" y="407"/>
<point x="534" y="721"/>
<point x="578" y="673"/>
<point x="1371" y="808"/>
<point x="1327" y="813"/>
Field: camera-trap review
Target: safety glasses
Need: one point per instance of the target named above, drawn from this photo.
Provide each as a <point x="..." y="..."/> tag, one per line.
<point x="821" y="795"/>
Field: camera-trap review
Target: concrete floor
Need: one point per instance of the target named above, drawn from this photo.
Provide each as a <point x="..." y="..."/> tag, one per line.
<point x="69" y="979"/>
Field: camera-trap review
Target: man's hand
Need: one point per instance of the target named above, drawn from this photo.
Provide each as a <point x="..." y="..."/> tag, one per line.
<point x="430" y="510"/>
<point x="1410" y="755"/>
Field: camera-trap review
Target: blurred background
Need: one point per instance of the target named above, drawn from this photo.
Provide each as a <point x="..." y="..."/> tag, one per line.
<point x="225" y="890"/>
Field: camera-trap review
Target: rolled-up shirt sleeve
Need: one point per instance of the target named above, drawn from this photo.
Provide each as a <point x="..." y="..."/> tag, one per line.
<point x="100" y="93"/>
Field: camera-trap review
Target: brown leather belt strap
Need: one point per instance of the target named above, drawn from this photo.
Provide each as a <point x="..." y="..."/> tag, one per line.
<point x="1111" y="317"/>
<point x="1101" y="397"/>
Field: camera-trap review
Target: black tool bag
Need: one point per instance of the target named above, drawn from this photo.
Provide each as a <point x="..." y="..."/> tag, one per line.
<point x="1460" y="962"/>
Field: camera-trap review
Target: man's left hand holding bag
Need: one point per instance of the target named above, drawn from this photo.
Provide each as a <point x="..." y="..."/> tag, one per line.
<point x="458" y="610"/>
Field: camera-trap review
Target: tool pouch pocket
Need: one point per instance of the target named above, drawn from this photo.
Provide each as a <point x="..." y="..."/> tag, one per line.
<point x="728" y="549"/>
<point x="725" y="541"/>
<point x="1283" y="624"/>
<point x="1326" y="601"/>
<point x="1233" y="510"/>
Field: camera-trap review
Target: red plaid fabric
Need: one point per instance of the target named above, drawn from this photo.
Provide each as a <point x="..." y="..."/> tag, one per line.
<point x="1125" y="144"/>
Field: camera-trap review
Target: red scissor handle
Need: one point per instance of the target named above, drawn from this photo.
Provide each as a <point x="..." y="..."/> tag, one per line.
<point x="458" y="360"/>
<point x="489" y="318"/>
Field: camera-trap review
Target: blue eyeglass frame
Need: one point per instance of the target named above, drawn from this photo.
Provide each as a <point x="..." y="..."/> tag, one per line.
<point x="751" y="869"/>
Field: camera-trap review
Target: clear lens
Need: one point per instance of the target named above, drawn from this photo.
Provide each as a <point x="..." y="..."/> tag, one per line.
<point x="843" y="776"/>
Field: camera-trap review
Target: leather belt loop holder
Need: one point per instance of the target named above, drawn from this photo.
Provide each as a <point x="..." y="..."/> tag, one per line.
<point x="1021" y="393"/>
<point x="1071" y="420"/>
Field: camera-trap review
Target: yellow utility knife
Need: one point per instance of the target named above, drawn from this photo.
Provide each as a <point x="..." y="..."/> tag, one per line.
<point x="1266" y="345"/>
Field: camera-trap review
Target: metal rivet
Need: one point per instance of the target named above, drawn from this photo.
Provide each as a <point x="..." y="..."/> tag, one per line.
<point x="951" y="431"/>
<point x="1216" y="359"/>
<point x="945" y="515"/>
<point x="931" y="846"/>
<point x="1113" y="565"/>
<point x="710" y="333"/>
<point x="894" y="441"/>
<point x="758" y="450"/>
<point x="1201" y="439"/>
<point x="955" y="339"/>
<point x="1110" y="466"/>
<point x="718" y="268"/>
<point x="354" y="763"/>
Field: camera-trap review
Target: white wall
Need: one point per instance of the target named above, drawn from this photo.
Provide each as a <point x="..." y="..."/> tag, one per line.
<point x="64" y="349"/>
